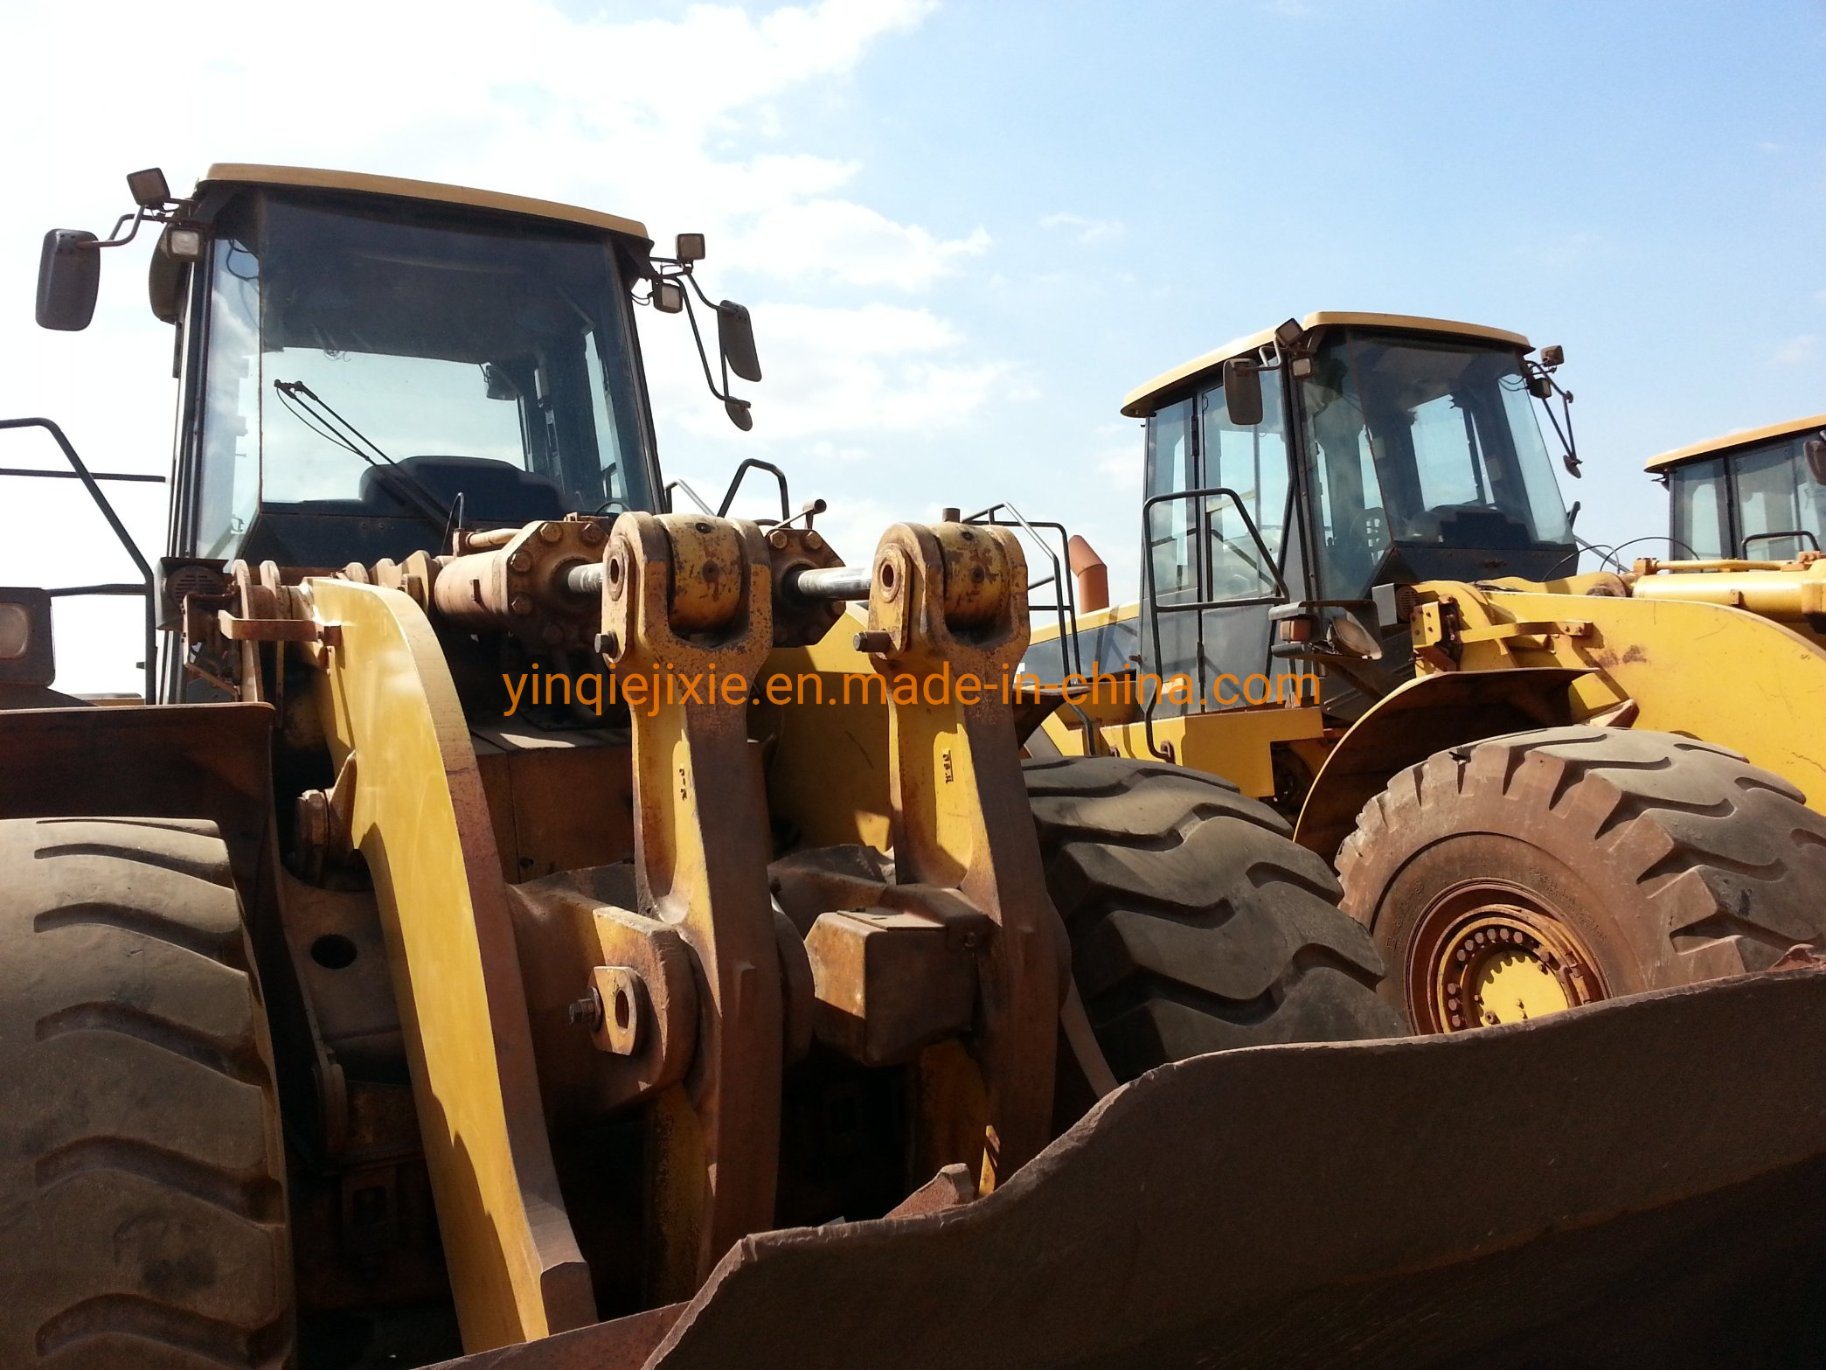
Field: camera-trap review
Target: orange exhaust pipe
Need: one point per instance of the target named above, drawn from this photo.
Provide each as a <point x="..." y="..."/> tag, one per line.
<point x="1092" y="575"/>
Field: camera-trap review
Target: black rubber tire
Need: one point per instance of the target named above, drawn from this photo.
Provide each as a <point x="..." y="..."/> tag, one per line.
<point x="1674" y="860"/>
<point x="1196" y="923"/>
<point x="142" y="1180"/>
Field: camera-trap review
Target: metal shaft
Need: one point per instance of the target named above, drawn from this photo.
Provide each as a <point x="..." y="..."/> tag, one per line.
<point x="584" y="581"/>
<point x="836" y="582"/>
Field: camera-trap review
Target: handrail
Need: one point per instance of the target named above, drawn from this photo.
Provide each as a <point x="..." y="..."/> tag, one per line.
<point x="1065" y="602"/>
<point x="741" y="474"/>
<point x="90" y="479"/>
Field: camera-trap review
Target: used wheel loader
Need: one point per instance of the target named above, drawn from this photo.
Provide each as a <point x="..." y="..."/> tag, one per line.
<point x="467" y="949"/>
<point x="427" y="958"/>
<point x="1539" y="789"/>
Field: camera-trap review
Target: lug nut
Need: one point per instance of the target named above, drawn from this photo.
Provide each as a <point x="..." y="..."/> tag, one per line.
<point x="550" y="532"/>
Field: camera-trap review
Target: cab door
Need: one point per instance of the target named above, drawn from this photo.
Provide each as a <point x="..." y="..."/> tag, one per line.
<point x="1217" y="561"/>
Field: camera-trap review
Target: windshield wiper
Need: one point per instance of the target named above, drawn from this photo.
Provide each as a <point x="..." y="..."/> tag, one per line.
<point x="309" y="408"/>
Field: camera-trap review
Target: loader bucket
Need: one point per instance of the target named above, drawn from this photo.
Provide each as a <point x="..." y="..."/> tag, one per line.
<point x="1640" y="1181"/>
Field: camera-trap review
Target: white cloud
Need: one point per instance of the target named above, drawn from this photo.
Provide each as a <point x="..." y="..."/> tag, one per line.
<point x="850" y="243"/>
<point x="857" y="370"/>
<point x="692" y="120"/>
<point x="1084" y="229"/>
<point x="1797" y="351"/>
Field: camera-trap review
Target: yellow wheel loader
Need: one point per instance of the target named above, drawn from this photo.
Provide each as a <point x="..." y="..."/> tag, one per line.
<point x="485" y="941"/>
<point x="1539" y="789"/>
<point x="425" y="967"/>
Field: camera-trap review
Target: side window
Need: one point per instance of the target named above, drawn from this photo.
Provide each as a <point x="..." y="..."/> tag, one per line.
<point x="229" y="477"/>
<point x="1696" y="491"/>
<point x="1170" y="551"/>
<point x="1252" y="462"/>
<point x="1771" y="483"/>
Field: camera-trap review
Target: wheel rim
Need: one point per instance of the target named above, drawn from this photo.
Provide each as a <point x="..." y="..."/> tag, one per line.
<point x="1486" y="952"/>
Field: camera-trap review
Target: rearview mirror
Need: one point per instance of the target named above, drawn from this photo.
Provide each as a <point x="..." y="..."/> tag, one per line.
<point x="735" y="336"/>
<point x="69" y="278"/>
<point x="26" y="657"/>
<point x="1815" y="448"/>
<point x="1243" y="391"/>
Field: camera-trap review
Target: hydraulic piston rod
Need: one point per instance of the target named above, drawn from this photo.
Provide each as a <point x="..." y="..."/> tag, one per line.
<point x="811" y="582"/>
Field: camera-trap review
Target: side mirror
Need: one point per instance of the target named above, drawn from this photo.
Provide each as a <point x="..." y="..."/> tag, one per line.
<point x="69" y="278"/>
<point x="1243" y="391"/>
<point x="735" y="336"/>
<point x="1815" y="448"/>
<point x="26" y="657"/>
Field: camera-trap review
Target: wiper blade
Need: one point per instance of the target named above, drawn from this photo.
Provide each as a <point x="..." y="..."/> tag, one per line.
<point x="314" y="413"/>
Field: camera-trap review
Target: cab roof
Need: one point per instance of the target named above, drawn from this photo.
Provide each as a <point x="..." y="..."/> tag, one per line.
<point x="313" y="178"/>
<point x="1728" y="441"/>
<point x="1143" y="400"/>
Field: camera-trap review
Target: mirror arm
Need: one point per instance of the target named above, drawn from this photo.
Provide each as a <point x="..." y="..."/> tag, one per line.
<point x="132" y="221"/>
<point x="703" y="357"/>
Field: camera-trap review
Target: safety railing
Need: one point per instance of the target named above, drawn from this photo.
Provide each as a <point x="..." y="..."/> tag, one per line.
<point x="91" y="480"/>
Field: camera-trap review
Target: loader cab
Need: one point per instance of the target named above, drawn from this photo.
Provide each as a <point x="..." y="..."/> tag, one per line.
<point x="1386" y="450"/>
<point x="1754" y="495"/>
<point x="367" y="362"/>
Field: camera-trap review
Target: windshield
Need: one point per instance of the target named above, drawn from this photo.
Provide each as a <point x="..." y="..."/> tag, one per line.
<point x="490" y="365"/>
<point x="1429" y="443"/>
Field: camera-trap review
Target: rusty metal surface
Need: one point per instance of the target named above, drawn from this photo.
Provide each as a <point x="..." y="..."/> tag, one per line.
<point x="950" y="604"/>
<point x="572" y="929"/>
<point x="559" y="801"/>
<point x="1650" y="1178"/>
<point x="521" y="583"/>
<point x="622" y="1344"/>
<point x="800" y="619"/>
<point x="687" y="602"/>
<point x="1449" y="709"/>
<point x="952" y="1187"/>
<point x="888" y="983"/>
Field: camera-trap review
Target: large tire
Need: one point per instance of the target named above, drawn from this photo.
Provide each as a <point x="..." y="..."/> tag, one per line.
<point x="1544" y="869"/>
<point x="142" y="1195"/>
<point x="1196" y="924"/>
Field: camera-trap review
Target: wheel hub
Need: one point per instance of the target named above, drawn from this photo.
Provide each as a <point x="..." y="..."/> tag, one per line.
<point x="1484" y="955"/>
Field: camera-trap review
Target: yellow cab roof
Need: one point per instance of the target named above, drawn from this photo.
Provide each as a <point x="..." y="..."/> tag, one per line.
<point x="1725" y="443"/>
<point x="1141" y="401"/>
<point x="312" y="178"/>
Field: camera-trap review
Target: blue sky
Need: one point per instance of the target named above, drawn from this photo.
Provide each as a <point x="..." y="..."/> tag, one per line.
<point x="966" y="230"/>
